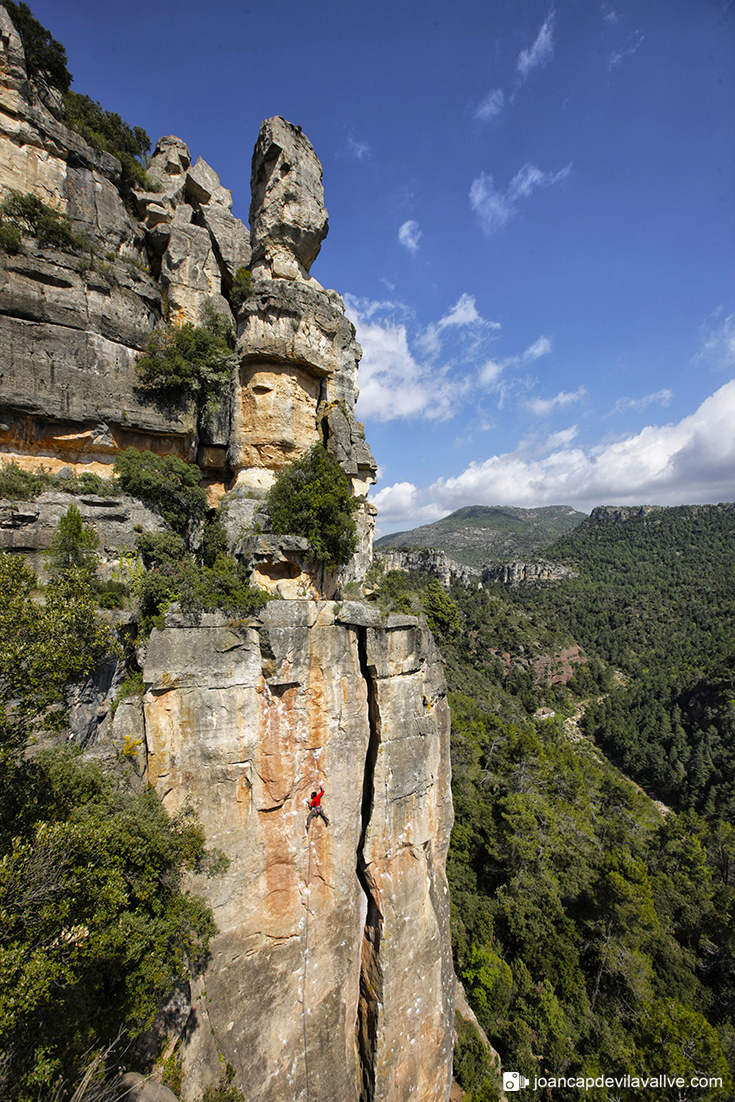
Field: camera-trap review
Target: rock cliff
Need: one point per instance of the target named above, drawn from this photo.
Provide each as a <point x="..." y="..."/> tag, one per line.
<point x="440" y="566"/>
<point x="331" y="973"/>
<point x="331" y="976"/>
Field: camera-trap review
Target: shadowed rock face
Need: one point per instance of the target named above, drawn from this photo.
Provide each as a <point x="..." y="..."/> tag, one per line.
<point x="333" y="963"/>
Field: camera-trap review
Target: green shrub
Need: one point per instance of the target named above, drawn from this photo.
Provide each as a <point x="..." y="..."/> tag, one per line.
<point x="73" y="545"/>
<point x="224" y="585"/>
<point x="442" y="614"/>
<point x="28" y="214"/>
<point x="155" y="590"/>
<point x="311" y="498"/>
<point x="17" y="484"/>
<point x="213" y="538"/>
<point x="87" y="482"/>
<point x="110" y="594"/>
<point x="105" y="130"/>
<point x="96" y="928"/>
<point x="197" y="588"/>
<point x="10" y="238"/>
<point x="165" y="483"/>
<point x="190" y="361"/>
<point x="242" y="288"/>
<point x="45" y="57"/>
<point x="160" y="548"/>
<point x="473" y="1068"/>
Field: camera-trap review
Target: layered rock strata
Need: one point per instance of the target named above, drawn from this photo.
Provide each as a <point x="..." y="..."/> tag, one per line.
<point x="73" y="324"/>
<point x="438" y="565"/>
<point x="331" y="975"/>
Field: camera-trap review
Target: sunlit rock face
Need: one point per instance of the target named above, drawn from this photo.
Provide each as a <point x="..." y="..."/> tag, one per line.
<point x="274" y="418"/>
<point x="288" y="220"/>
<point x="332" y="966"/>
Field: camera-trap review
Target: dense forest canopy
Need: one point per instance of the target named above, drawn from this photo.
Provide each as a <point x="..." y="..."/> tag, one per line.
<point x="594" y="934"/>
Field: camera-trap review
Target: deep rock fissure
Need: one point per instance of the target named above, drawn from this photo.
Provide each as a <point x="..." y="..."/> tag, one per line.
<point x="371" y="972"/>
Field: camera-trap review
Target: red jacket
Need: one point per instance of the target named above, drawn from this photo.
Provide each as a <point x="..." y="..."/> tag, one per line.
<point x="317" y="799"/>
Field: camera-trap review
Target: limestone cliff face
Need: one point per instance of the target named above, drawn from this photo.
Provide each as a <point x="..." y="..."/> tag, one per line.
<point x="332" y="970"/>
<point x="440" y="566"/>
<point x="331" y="974"/>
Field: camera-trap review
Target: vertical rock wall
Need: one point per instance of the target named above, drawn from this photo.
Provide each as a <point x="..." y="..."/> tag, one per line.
<point x="331" y="975"/>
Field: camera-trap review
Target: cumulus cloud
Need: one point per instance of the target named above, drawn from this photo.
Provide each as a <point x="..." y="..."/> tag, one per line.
<point x="495" y="208"/>
<point x="540" y="407"/>
<point x="658" y="397"/>
<point x="401" y="501"/>
<point x="718" y="346"/>
<point x="409" y="235"/>
<point x="634" y="42"/>
<point x="690" y="461"/>
<point x="491" y="106"/>
<point x="542" y="50"/>
<point x="393" y="383"/>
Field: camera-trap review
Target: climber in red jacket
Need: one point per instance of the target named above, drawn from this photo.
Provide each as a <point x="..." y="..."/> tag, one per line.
<point x="315" y="807"/>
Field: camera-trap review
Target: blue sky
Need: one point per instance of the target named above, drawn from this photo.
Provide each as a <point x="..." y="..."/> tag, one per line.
<point x="532" y="220"/>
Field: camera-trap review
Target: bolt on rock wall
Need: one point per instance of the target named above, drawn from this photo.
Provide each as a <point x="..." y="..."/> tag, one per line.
<point x="331" y="976"/>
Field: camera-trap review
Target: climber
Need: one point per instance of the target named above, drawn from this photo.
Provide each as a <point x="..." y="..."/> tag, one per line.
<point x="315" y="807"/>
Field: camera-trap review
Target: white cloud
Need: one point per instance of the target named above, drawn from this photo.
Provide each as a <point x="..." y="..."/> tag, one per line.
<point x="491" y="371"/>
<point x="359" y="150"/>
<point x="635" y="41"/>
<point x="491" y="106"/>
<point x="393" y="384"/>
<point x="464" y="312"/>
<point x="542" y="50"/>
<point x="539" y="348"/>
<point x="463" y="315"/>
<point x="611" y="16"/>
<point x="540" y="407"/>
<point x="495" y="208"/>
<point x="690" y="461"/>
<point x="401" y="502"/>
<point x="718" y="346"/>
<point x="409" y="235"/>
<point x="561" y="439"/>
<point x="658" y="397"/>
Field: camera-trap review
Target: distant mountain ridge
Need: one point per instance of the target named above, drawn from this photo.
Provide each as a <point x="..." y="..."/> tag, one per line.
<point x="480" y="534"/>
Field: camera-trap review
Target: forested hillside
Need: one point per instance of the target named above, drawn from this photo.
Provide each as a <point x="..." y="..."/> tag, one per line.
<point x="655" y="598"/>
<point x="593" y="934"/>
<point x="480" y="534"/>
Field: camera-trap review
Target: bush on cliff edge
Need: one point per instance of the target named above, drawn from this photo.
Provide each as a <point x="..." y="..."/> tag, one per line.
<point x="311" y="498"/>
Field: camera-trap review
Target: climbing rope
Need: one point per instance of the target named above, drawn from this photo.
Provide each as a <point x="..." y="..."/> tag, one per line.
<point x="306" y="957"/>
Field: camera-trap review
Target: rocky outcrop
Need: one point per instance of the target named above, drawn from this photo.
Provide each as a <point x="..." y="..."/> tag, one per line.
<point x="527" y="573"/>
<point x="331" y="974"/>
<point x="434" y="563"/>
<point x="288" y="219"/>
<point x="440" y="566"/>
<point x="27" y="527"/>
<point x="73" y="324"/>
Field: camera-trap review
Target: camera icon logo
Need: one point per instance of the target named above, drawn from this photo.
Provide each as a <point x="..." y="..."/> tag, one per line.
<point x="514" y="1081"/>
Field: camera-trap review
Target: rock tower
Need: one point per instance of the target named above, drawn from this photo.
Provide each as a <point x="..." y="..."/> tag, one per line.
<point x="331" y="974"/>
